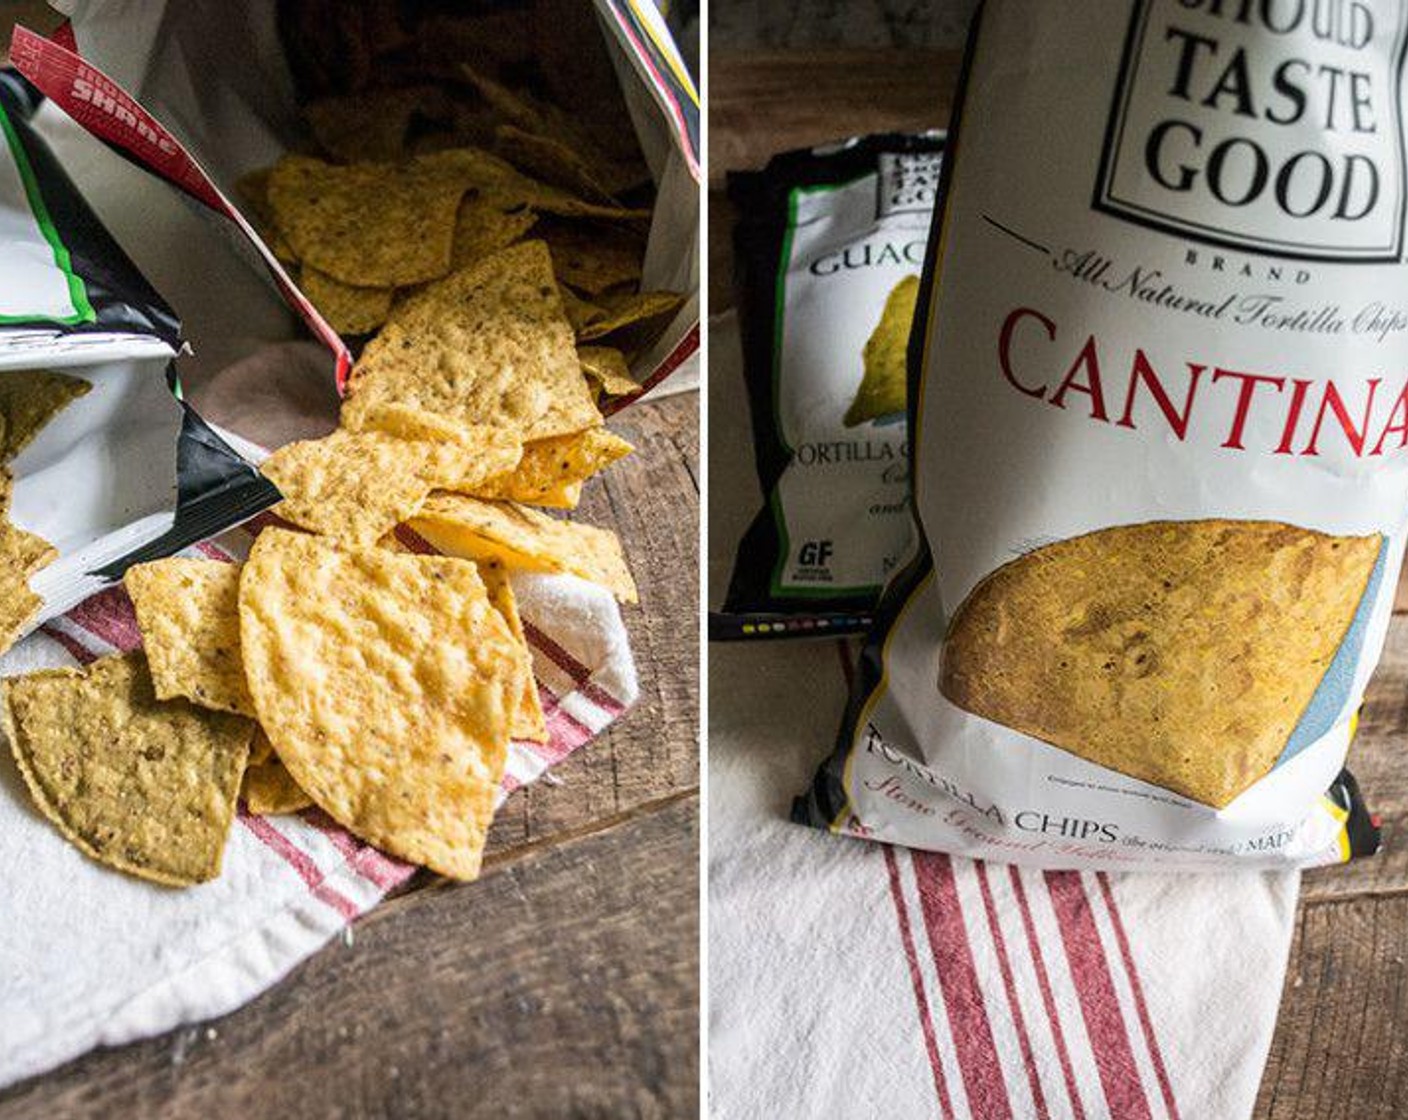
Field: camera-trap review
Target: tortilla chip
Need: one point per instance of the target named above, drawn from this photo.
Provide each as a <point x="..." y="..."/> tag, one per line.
<point x="594" y="257"/>
<point x="524" y="539"/>
<point x="606" y="367"/>
<point x="528" y="720"/>
<point x="499" y="183"/>
<point x="550" y="464"/>
<point x="188" y="612"/>
<point x="882" y="390"/>
<point x="269" y="789"/>
<point x="551" y="161"/>
<point x="1181" y="653"/>
<point x="29" y="399"/>
<point x="582" y="314"/>
<point x="143" y="785"/>
<point x="355" y="486"/>
<point x="21" y="555"/>
<point x="645" y="314"/>
<point x="487" y="345"/>
<point x="348" y="309"/>
<point x="401" y="736"/>
<point x="366" y="224"/>
<point x="482" y="229"/>
<point x="372" y="125"/>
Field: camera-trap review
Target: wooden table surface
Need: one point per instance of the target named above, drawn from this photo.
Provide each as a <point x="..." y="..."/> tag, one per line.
<point x="1341" y="1044"/>
<point x="565" y="982"/>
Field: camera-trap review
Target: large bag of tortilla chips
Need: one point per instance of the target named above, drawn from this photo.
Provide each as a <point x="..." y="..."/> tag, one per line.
<point x="104" y="463"/>
<point x="829" y="244"/>
<point x="1159" y="410"/>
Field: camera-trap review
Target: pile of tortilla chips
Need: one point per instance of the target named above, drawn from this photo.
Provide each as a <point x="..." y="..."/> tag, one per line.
<point x="490" y="247"/>
<point x="424" y="165"/>
<point x="29" y="399"/>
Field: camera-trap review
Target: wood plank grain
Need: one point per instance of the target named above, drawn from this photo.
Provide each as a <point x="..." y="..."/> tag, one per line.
<point x="1341" y="1043"/>
<point x="564" y="984"/>
<point x="763" y="102"/>
<point x="651" y="499"/>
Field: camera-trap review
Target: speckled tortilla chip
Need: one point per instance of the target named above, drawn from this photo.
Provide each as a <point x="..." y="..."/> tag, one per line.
<point x="29" y="399"/>
<point x="367" y="224"/>
<point x="528" y="721"/>
<point x="1181" y="653"/>
<point x="499" y="183"/>
<point x="489" y="344"/>
<point x="21" y="555"/>
<point x="593" y="257"/>
<point x="882" y="389"/>
<point x="482" y="229"/>
<point x="356" y="486"/>
<point x="643" y="314"/>
<point x="606" y="367"/>
<point x="402" y="735"/>
<point x="144" y="785"/>
<point x="269" y="789"/>
<point x="348" y="309"/>
<point x="551" y="161"/>
<point x="549" y="465"/>
<point x="372" y="125"/>
<point x="188" y="612"/>
<point x="581" y="313"/>
<point x="524" y="539"/>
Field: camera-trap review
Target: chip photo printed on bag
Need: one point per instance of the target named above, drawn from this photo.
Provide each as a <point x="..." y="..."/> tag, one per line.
<point x="1159" y="421"/>
<point x="828" y="249"/>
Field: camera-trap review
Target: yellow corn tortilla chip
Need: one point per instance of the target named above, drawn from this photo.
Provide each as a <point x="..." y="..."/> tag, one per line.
<point x="581" y="313"/>
<point x="21" y="555"/>
<point x="527" y="721"/>
<point x="593" y="257"/>
<point x="482" y="229"/>
<point x="550" y="464"/>
<point x="643" y="314"/>
<point x="1181" y="653"/>
<point x="882" y="390"/>
<point x="606" y="367"/>
<point x="489" y="344"/>
<point x="551" y="161"/>
<point x="355" y="486"/>
<point x="260" y="749"/>
<point x="144" y="785"/>
<point x="29" y="399"/>
<point x="269" y="790"/>
<point x="188" y="612"/>
<point x="348" y="309"/>
<point x="524" y="539"/>
<point x="366" y="224"/>
<point x="498" y="182"/>
<point x="371" y="125"/>
<point x="402" y="734"/>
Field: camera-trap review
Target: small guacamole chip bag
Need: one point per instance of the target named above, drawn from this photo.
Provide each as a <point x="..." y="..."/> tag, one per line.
<point x="828" y="249"/>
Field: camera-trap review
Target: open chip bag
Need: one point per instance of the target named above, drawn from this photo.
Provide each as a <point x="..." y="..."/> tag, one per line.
<point x="1158" y="416"/>
<point x="176" y="826"/>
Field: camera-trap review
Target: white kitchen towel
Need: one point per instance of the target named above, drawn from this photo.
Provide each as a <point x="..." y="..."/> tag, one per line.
<point x="849" y="979"/>
<point x="89" y="956"/>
